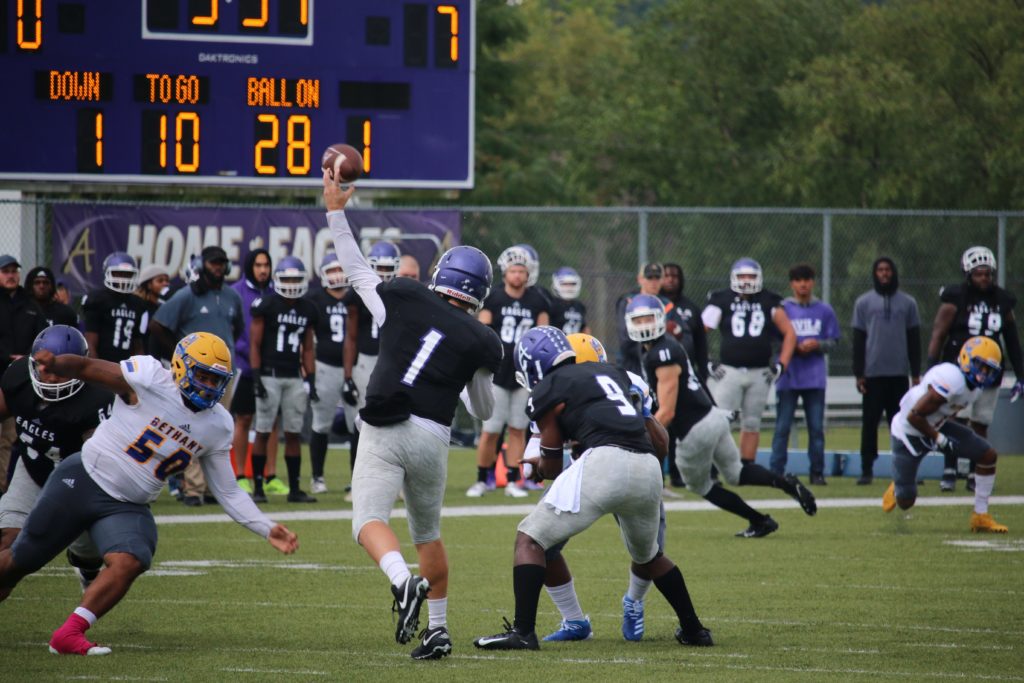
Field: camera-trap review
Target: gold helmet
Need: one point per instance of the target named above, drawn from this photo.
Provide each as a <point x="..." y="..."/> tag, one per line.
<point x="981" y="361"/>
<point x="588" y="349"/>
<point x="201" y="367"/>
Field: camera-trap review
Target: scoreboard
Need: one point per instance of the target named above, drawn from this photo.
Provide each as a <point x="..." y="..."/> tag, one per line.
<point x="236" y="92"/>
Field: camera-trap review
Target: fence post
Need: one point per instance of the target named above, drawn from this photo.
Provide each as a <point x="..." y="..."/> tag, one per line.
<point x="641" y="240"/>
<point x="1001" y="252"/>
<point x="826" y="258"/>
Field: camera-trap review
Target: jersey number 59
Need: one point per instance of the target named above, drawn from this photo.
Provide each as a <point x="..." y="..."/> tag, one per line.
<point x="142" y="452"/>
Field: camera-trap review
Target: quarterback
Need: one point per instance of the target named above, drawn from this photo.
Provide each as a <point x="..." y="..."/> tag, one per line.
<point x="161" y="420"/>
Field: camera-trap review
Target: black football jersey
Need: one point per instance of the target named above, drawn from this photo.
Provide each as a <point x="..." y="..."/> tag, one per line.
<point x="598" y="410"/>
<point x="977" y="314"/>
<point x="368" y="339"/>
<point x="331" y="318"/>
<point x="48" y="432"/>
<point x="511" y="318"/>
<point x="56" y="313"/>
<point x="429" y="351"/>
<point x="284" y="327"/>
<point x="118" y="319"/>
<point x="568" y="316"/>
<point x="692" y="402"/>
<point x="746" y="327"/>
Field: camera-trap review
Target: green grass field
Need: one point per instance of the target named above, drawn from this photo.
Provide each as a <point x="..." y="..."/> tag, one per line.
<point x="851" y="594"/>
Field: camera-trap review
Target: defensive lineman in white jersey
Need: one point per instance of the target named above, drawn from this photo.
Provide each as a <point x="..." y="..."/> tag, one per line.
<point x="160" y="421"/>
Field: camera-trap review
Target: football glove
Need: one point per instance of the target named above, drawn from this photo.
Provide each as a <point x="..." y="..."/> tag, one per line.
<point x="258" y="390"/>
<point x="945" y="444"/>
<point x="716" y="371"/>
<point x="773" y="372"/>
<point x="349" y="393"/>
<point x="1017" y="391"/>
<point x="310" y="386"/>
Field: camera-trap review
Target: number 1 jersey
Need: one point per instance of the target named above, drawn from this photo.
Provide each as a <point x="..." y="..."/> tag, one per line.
<point x="429" y="350"/>
<point x="131" y="454"/>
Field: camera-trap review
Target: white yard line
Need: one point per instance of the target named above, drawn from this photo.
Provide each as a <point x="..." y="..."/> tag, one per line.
<point x="522" y="510"/>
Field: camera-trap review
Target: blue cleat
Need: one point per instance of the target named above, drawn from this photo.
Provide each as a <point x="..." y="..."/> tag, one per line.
<point x="572" y="629"/>
<point x="632" y="618"/>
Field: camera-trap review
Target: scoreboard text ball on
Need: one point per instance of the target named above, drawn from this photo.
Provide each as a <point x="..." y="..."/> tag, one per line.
<point x="236" y="92"/>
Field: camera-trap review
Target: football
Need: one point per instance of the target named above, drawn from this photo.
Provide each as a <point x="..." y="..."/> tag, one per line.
<point x="343" y="163"/>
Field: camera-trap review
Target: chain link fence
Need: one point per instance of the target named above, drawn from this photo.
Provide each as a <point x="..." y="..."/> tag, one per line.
<point x="606" y="246"/>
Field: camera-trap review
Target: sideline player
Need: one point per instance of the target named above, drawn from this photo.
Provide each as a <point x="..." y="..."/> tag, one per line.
<point x="362" y="343"/>
<point x="748" y="316"/>
<point x="617" y="472"/>
<point x="115" y="319"/>
<point x="432" y="348"/>
<point x="54" y="416"/>
<point x="510" y="312"/>
<point x="923" y="425"/>
<point x="162" y="419"/>
<point x="976" y="306"/>
<point x="699" y="426"/>
<point x="331" y="315"/>
<point x="567" y="311"/>
<point x="281" y="350"/>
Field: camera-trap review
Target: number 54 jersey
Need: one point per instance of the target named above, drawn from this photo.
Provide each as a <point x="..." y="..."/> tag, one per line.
<point x="131" y="454"/>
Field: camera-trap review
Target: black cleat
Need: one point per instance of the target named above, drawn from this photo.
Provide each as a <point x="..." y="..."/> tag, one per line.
<point x="408" y="601"/>
<point x="192" y="501"/>
<point x="699" y="638"/>
<point x="299" y="496"/>
<point x="818" y="480"/>
<point x="802" y="495"/>
<point x="970" y="483"/>
<point x="258" y="497"/>
<point x="435" y="643"/>
<point x="759" y="529"/>
<point x="865" y="480"/>
<point x="511" y="639"/>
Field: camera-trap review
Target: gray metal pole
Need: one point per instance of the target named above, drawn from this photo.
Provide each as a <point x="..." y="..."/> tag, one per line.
<point x="641" y="241"/>
<point x="826" y="258"/>
<point x="1001" y="252"/>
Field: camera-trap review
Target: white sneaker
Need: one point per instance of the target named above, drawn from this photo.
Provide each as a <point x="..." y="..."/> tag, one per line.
<point x="515" y="491"/>
<point x="317" y="485"/>
<point x="477" y="490"/>
<point x="669" y="494"/>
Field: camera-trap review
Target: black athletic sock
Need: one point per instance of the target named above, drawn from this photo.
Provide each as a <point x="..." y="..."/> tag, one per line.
<point x="481" y="474"/>
<point x="949" y="465"/>
<point x="317" y="453"/>
<point x="513" y="474"/>
<point x="258" y="463"/>
<point x="527" y="581"/>
<point x="673" y="587"/>
<point x="753" y="474"/>
<point x="729" y="501"/>
<point x="294" y="464"/>
<point x="353" y="445"/>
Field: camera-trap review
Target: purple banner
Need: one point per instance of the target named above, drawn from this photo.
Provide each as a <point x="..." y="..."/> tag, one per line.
<point x="84" y="234"/>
